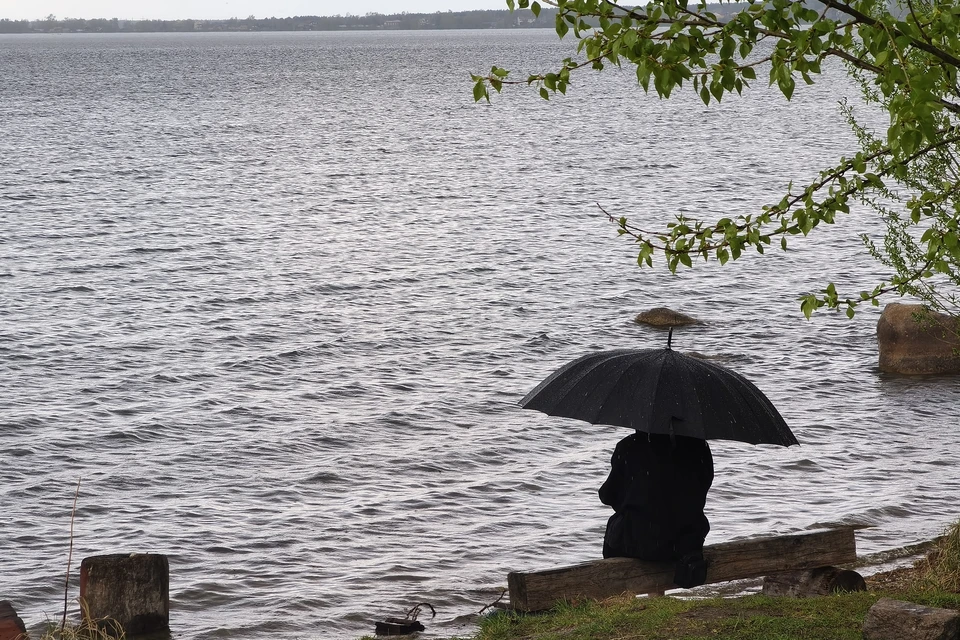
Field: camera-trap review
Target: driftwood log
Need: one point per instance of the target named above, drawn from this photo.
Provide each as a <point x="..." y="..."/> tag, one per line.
<point x="752" y="558"/>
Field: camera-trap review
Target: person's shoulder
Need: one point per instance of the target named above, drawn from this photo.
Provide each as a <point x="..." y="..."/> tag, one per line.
<point x="631" y="439"/>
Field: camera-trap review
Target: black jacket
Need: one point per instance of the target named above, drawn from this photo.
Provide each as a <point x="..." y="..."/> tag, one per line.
<point x="658" y="487"/>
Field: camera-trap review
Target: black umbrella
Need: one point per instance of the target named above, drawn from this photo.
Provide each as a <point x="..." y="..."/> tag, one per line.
<point x="661" y="391"/>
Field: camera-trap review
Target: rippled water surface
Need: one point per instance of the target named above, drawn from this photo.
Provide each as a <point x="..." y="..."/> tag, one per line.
<point x="274" y="298"/>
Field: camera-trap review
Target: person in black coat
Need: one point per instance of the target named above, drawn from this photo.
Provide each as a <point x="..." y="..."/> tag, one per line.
<point x="658" y="488"/>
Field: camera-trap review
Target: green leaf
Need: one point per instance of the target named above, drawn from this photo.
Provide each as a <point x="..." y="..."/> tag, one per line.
<point x="716" y="90"/>
<point x="535" y="8"/>
<point x="480" y="92"/>
<point x="544" y="93"/>
<point x="786" y="85"/>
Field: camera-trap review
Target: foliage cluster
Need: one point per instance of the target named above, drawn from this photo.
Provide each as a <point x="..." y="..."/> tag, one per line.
<point x="904" y="57"/>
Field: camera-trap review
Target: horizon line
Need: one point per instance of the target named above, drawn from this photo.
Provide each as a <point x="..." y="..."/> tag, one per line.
<point x="251" y="17"/>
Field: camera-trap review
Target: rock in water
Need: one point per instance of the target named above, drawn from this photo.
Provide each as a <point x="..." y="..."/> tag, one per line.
<point x="664" y="317"/>
<point x="916" y="341"/>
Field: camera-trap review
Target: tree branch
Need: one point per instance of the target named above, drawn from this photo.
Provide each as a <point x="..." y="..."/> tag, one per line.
<point x="873" y="22"/>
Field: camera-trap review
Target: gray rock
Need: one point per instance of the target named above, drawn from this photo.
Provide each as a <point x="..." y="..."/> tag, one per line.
<point x="930" y="345"/>
<point x="897" y="620"/>
<point x="664" y="317"/>
<point x="821" y="581"/>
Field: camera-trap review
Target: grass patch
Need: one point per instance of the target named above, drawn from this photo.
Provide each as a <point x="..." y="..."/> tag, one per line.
<point x="754" y="617"/>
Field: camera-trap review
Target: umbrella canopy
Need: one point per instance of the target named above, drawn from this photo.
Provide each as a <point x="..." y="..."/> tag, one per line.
<point x="661" y="391"/>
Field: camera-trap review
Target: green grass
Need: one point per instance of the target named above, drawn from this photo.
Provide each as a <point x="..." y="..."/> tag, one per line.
<point x="755" y="617"/>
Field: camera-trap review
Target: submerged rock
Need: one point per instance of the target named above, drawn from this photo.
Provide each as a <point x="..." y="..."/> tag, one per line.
<point x="664" y="317"/>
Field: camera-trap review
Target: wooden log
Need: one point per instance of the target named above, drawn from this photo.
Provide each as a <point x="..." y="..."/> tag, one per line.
<point x="821" y="581"/>
<point x="11" y="626"/>
<point x="131" y="589"/>
<point x="752" y="558"/>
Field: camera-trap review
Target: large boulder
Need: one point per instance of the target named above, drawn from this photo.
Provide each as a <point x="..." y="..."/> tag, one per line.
<point x="896" y="620"/>
<point x="913" y="340"/>
<point x="664" y="317"/>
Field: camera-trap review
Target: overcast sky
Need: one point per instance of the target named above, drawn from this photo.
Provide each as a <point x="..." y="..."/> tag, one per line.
<point x="210" y="9"/>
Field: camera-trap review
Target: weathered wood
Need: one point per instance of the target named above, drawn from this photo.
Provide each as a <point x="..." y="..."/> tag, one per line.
<point x="752" y="558"/>
<point x="132" y="590"/>
<point x="821" y="581"/>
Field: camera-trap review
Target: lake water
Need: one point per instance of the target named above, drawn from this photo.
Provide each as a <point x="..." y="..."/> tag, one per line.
<point x="274" y="299"/>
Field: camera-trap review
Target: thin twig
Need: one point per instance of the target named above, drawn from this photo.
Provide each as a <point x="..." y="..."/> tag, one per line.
<point x="503" y="592"/>
<point x="415" y="611"/>
<point x="66" y="586"/>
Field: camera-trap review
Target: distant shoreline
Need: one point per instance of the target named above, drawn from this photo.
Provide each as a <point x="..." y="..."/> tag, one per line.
<point x="476" y="19"/>
<point x="481" y="19"/>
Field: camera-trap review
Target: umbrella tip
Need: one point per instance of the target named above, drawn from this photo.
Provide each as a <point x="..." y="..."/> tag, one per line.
<point x="669" y="337"/>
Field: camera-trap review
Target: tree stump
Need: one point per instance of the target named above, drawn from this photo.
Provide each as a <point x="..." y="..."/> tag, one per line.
<point x="896" y="620"/>
<point x="821" y="581"/>
<point x="131" y="589"/>
<point x="11" y="626"/>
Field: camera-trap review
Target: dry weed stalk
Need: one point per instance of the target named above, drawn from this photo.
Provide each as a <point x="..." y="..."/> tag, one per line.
<point x="87" y="629"/>
<point x="940" y="570"/>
